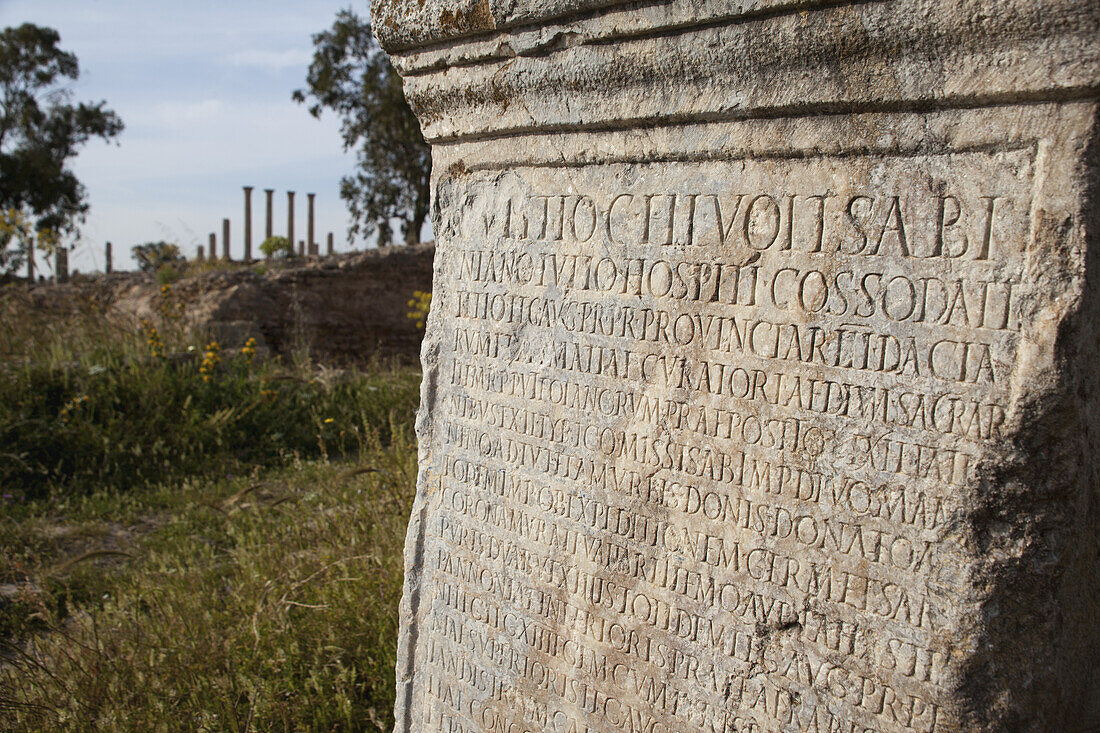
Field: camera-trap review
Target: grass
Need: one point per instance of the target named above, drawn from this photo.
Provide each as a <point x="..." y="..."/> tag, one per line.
<point x="85" y="404"/>
<point x="265" y="603"/>
<point x="193" y="548"/>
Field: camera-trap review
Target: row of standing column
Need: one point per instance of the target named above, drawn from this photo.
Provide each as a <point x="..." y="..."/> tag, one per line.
<point x="61" y="266"/>
<point x="307" y="246"/>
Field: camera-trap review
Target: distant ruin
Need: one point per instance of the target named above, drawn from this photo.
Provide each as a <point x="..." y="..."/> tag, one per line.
<point x="348" y="308"/>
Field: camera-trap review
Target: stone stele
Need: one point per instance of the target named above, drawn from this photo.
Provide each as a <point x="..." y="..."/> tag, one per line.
<point x="761" y="376"/>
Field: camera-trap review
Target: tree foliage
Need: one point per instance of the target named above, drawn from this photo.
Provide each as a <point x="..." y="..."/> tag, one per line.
<point x="276" y="247"/>
<point x="351" y="76"/>
<point x="40" y="130"/>
<point x="16" y="230"/>
<point x="152" y="256"/>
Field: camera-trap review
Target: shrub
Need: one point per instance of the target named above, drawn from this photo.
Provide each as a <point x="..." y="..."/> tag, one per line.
<point x="277" y="248"/>
<point x="92" y="406"/>
<point x="132" y="423"/>
<point x="154" y="256"/>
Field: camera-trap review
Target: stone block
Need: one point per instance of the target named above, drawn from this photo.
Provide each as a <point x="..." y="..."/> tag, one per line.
<point x="760" y="380"/>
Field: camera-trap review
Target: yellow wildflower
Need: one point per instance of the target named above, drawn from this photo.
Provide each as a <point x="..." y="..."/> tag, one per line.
<point x="169" y="307"/>
<point x="153" y="339"/>
<point x="71" y="406"/>
<point x="210" y="360"/>
<point x="420" y="304"/>
<point x="249" y="349"/>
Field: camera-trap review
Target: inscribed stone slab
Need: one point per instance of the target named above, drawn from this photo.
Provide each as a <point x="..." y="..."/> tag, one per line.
<point x="760" y="380"/>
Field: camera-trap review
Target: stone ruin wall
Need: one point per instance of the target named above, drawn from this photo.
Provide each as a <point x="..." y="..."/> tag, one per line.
<point x="347" y="309"/>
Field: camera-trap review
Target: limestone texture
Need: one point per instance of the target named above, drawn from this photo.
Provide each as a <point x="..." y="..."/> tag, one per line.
<point x="761" y="378"/>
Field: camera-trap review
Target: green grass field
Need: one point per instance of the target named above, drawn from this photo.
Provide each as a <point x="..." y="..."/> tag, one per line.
<point x="194" y="538"/>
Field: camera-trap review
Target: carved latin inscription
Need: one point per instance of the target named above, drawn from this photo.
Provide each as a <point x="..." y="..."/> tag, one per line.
<point x="700" y="433"/>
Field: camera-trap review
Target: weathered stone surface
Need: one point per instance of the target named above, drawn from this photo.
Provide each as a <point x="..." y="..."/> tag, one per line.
<point x="761" y="375"/>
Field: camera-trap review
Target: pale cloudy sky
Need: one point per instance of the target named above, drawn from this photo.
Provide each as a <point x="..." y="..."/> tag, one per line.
<point x="203" y="87"/>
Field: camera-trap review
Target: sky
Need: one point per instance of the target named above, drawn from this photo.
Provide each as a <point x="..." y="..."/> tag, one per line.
<point x="204" y="90"/>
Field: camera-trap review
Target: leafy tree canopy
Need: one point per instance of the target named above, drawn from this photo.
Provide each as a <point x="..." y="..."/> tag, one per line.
<point x="351" y="76"/>
<point x="151" y="256"/>
<point x="40" y="130"/>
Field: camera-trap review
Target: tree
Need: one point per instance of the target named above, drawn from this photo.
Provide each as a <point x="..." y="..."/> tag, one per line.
<point x="40" y="130"/>
<point x="14" y="229"/>
<point x="353" y="77"/>
<point x="151" y="256"/>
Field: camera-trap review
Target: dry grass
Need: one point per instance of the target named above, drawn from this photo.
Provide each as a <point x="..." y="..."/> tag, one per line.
<point x="194" y="549"/>
<point x="266" y="603"/>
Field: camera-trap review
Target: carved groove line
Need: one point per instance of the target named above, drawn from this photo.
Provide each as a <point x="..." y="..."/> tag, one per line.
<point x="720" y="156"/>
<point x="1007" y="99"/>
<point x="666" y="30"/>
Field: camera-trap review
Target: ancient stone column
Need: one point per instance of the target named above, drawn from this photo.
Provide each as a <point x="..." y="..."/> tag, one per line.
<point x="290" y="217"/>
<point x="330" y="247"/>
<point x="309" y="224"/>
<point x="761" y="386"/>
<point x="61" y="265"/>
<point x="200" y="255"/>
<point x="225" y="240"/>
<point x="213" y="247"/>
<point x="108" y="265"/>
<point x="269" y="193"/>
<point x="301" y="248"/>
<point x="247" y="224"/>
<point x="30" y="260"/>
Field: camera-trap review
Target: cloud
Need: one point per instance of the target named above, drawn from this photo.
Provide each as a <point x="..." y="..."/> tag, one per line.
<point x="271" y="60"/>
